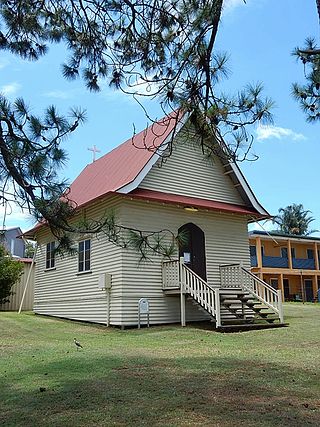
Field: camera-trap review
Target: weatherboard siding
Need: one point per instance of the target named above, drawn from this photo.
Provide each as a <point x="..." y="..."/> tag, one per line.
<point x="226" y="242"/>
<point x="62" y="292"/>
<point x="187" y="172"/>
<point x="18" y="290"/>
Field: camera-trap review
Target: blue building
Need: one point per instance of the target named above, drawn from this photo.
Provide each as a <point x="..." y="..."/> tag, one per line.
<point x="11" y="241"/>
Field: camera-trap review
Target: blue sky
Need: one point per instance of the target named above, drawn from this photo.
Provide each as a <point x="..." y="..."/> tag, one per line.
<point x="259" y="37"/>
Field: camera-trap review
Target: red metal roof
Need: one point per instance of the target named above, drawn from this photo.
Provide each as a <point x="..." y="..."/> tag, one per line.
<point x="25" y="260"/>
<point x="186" y="201"/>
<point x="122" y="165"/>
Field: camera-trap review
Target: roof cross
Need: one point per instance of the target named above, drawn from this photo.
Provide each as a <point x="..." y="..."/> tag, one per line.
<point x="94" y="150"/>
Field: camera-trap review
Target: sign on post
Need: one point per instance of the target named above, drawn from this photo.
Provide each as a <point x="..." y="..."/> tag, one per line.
<point x="143" y="309"/>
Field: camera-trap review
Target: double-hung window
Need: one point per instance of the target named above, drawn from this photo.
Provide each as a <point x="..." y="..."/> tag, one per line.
<point x="84" y="255"/>
<point x="50" y="255"/>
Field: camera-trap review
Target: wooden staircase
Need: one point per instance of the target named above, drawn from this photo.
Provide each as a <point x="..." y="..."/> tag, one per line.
<point x="241" y="311"/>
<point x="243" y="301"/>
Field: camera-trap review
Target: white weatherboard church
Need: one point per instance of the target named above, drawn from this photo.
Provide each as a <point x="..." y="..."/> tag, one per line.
<point x="207" y="279"/>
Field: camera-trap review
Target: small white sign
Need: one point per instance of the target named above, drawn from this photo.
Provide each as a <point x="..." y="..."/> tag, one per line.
<point x="102" y="281"/>
<point x="187" y="257"/>
<point x="143" y="306"/>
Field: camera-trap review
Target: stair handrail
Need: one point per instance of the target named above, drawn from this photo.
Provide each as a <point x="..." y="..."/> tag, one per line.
<point x="257" y="279"/>
<point x="176" y="262"/>
<point x="198" y="277"/>
<point x="176" y="274"/>
<point x="204" y="294"/>
<point x="273" y="305"/>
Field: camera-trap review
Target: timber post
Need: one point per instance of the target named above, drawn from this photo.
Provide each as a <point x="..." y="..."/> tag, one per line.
<point x="182" y="292"/>
<point x="280" y="306"/>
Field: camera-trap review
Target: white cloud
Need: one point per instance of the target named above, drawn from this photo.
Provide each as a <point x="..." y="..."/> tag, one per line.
<point x="230" y="5"/>
<point x="265" y="225"/>
<point x="142" y="90"/>
<point x="4" y="63"/>
<point x="14" y="216"/>
<point x="10" y="89"/>
<point x="114" y="95"/>
<point x="59" y="94"/>
<point x="141" y="87"/>
<point x="277" y="132"/>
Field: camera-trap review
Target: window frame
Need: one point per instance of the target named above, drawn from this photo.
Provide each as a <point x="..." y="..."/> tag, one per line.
<point x="50" y="255"/>
<point x="310" y="252"/>
<point x="253" y="250"/>
<point x="274" y="279"/>
<point x="84" y="256"/>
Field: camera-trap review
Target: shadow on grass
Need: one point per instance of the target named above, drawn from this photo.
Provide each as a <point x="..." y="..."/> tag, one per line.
<point x="206" y="391"/>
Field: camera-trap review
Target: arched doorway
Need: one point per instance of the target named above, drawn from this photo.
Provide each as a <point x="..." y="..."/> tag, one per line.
<point x="192" y="249"/>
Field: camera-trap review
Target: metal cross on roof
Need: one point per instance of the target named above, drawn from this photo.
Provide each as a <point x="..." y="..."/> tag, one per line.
<point x="94" y="150"/>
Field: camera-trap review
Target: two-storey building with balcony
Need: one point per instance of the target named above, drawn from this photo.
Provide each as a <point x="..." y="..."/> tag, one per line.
<point x="287" y="262"/>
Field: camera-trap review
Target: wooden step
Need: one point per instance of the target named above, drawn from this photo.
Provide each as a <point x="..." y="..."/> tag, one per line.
<point x="230" y="301"/>
<point x="226" y="311"/>
<point x="253" y="302"/>
<point x="235" y="296"/>
<point x="246" y="297"/>
<point x="262" y="307"/>
<point x="238" y="310"/>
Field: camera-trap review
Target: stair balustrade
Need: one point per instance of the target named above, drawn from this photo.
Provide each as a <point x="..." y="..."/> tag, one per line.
<point x="170" y="275"/>
<point x="177" y="274"/>
<point x="235" y="275"/>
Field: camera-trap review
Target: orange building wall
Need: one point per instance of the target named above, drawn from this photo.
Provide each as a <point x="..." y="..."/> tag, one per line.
<point x="301" y="250"/>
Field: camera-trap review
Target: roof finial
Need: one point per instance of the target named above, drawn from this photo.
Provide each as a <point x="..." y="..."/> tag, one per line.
<point x="94" y="150"/>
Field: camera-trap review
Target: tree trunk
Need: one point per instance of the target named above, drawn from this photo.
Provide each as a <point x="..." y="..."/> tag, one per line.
<point x="318" y="7"/>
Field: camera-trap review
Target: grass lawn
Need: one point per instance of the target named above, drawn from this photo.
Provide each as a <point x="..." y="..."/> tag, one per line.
<point x="162" y="376"/>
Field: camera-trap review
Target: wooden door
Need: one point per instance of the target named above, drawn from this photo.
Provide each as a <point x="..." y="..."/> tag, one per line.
<point x="286" y="289"/>
<point x="308" y="290"/>
<point x="192" y="249"/>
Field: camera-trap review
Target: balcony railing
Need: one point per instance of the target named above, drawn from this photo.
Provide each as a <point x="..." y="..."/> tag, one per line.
<point x="304" y="264"/>
<point x="275" y="261"/>
<point x="279" y="262"/>
<point x="254" y="262"/>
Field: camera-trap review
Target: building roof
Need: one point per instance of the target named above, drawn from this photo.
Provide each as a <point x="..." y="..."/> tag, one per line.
<point x="123" y="169"/>
<point x="2" y="230"/>
<point x="271" y="234"/>
<point x="26" y="260"/>
<point x="121" y="166"/>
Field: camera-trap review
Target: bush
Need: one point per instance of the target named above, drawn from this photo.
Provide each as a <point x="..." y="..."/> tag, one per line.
<point x="10" y="272"/>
